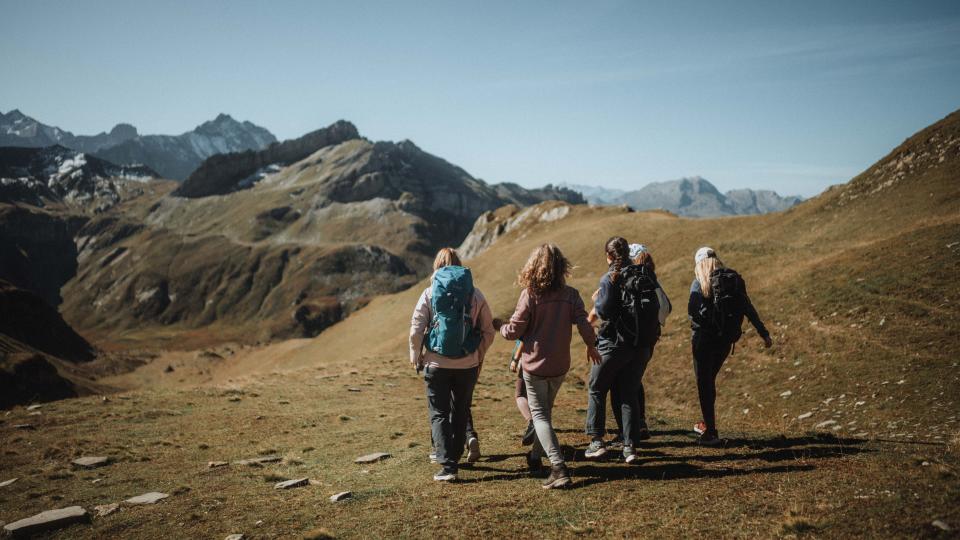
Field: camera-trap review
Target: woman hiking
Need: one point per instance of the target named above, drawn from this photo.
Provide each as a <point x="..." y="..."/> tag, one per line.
<point x="546" y="311"/>
<point x="640" y="255"/>
<point x="629" y="329"/>
<point x="452" y="319"/>
<point x="718" y="303"/>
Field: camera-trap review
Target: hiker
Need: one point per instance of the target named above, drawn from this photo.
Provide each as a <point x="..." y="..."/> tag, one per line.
<point x="640" y="255"/>
<point x="718" y="303"/>
<point x="627" y="303"/>
<point x="452" y="321"/>
<point x="546" y="311"/>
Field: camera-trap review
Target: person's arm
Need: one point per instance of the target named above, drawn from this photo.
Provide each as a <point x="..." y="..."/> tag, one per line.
<point x="517" y="325"/>
<point x="754" y="317"/>
<point x="587" y="333"/>
<point x="696" y="306"/>
<point x="607" y="304"/>
<point x="665" y="306"/>
<point x="486" y="328"/>
<point x="418" y="325"/>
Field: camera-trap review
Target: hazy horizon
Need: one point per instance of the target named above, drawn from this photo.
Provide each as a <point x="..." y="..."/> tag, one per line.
<point x="791" y="98"/>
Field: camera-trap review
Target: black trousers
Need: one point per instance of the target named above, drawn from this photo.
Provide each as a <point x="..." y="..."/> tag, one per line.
<point x="449" y="395"/>
<point x="708" y="358"/>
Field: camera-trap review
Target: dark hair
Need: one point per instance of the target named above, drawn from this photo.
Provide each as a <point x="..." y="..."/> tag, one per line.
<point x="619" y="252"/>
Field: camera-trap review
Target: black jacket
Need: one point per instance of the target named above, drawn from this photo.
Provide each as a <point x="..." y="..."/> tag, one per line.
<point x="700" y="311"/>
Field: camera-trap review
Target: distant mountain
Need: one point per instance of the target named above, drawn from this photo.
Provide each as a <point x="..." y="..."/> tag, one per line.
<point x="691" y="197"/>
<point x="173" y="156"/>
<point x="522" y="196"/>
<point x="176" y="156"/>
<point x="41" y="176"/>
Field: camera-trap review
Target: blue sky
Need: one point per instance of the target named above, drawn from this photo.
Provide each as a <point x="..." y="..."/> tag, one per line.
<point x="791" y="96"/>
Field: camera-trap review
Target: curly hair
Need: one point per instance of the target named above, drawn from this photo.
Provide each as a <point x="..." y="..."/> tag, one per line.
<point x="618" y="250"/>
<point x="546" y="270"/>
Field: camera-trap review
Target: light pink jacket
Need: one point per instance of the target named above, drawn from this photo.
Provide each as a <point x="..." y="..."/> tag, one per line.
<point x="423" y="314"/>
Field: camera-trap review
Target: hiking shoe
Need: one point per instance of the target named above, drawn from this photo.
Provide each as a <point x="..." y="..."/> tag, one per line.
<point x="433" y="456"/>
<point x="530" y="435"/>
<point x="596" y="449"/>
<point x="699" y="428"/>
<point x="643" y="435"/>
<point x="473" y="450"/>
<point x="534" y="465"/>
<point x="709" y="438"/>
<point x="630" y="455"/>
<point x="445" y="475"/>
<point x="559" y="477"/>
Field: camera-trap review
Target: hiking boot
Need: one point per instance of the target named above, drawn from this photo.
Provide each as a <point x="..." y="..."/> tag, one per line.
<point x="630" y="455"/>
<point x="445" y="475"/>
<point x="643" y="435"/>
<point x="534" y="465"/>
<point x="709" y="438"/>
<point x="596" y="449"/>
<point x="529" y="435"/>
<point x="473" y="450"/>
<point x="559" y="477"/>
<point x="699" y="428"/>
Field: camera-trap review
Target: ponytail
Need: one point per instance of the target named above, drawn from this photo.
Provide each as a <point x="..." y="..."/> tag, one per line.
<point x="619" y="252"/>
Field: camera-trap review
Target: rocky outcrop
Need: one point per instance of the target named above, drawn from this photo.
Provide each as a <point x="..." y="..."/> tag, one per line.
<point x="515" y="194"/>
<point x="226" y="172"/>
<point x="31" y="322"/>
<point x="58" y="175"/>
<point x="490" y="226"/>
<point x="37" y="252"/>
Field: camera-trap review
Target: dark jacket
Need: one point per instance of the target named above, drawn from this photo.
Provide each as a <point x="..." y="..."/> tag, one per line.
<point x="700" y="310"/>
<point x="608" y="307"/>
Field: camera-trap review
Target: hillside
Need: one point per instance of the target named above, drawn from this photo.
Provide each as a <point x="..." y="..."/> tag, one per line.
<point x="847" y="427"/>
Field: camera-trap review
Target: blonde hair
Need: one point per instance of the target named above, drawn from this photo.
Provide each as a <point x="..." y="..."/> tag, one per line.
<point x="546" y="270"/>
<point x="703" y="269"/>
<point x="446" y="257"/>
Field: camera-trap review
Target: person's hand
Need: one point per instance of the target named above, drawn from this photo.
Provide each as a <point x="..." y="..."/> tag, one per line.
<point x="497" y="323"/>
<point x="593" y="355"/>
<point x="513" y="366"/>
<point x="767" y="342"/>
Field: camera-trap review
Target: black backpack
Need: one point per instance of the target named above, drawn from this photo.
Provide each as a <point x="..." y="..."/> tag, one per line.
<point x="639" y="306"/>
<point x="729" y="303"/>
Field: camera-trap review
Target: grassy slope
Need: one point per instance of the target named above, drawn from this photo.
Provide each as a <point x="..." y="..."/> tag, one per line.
<point x="824" y="275"/>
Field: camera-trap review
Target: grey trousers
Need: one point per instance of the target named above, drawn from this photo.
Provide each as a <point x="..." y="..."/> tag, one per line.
<point x="541" y="393"/>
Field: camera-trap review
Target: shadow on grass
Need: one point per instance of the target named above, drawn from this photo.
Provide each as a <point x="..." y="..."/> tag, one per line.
<point x="587" y="475"/>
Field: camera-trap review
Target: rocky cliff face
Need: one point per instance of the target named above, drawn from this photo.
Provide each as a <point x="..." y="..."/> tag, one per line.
<point x="37" y="252"/>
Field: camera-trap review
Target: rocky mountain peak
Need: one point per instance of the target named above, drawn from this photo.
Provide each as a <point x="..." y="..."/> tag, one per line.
<point x="124" y="131"/>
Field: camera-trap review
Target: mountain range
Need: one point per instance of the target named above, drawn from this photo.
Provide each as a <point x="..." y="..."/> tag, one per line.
<point x="691" y="197"/>
<point x="172" y="156"/>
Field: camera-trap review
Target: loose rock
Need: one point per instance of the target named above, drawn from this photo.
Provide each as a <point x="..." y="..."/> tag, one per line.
<point x="6" y="483"/>
<point x="258" y="460"/>
<point x="805" y="415"/>
<point x="91" y="462"/>
<point x="23" y="426"/>
<point x="106" y="509"/>
<point x="299" y="482"/>
<point x="147" y="498"/>
<point x="46" y="521"/>
<point x="786" y="394"/>
<point x="825" y="423"/>
<point x="34" y="407"/>
<point x="343" y="495"/>
<point x="372" y="458"/>
<point x="235" y="537"/>
<point x="215" y="464"/>
<point x="942" y="525"/>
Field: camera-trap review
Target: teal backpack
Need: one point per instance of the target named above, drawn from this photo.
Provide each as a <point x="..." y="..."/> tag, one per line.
<point x="451" y="331"/>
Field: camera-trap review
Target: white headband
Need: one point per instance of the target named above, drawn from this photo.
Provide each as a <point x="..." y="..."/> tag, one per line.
<point x="703" y="253"/>
<point x="637" y="249"/>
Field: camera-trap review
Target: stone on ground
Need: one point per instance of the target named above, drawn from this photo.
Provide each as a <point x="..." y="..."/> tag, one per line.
<point x="147" y="498"/>
<point x="91" y="462"/>
<point x="235" y="537"/>
<point x="288" y="484"/>
<point x="34" y="407"/>
<point x="6" y="483"/>
<point x="215" y="464"/>
<point x="343" y="495"/>
<point x="372" y="458"/>
<point x="942" y="525"/>
<point x="23" y="426"/>
<point x="106" y="509"/>
<point x="45" y="521"/>
<point x="258" y="460"/>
